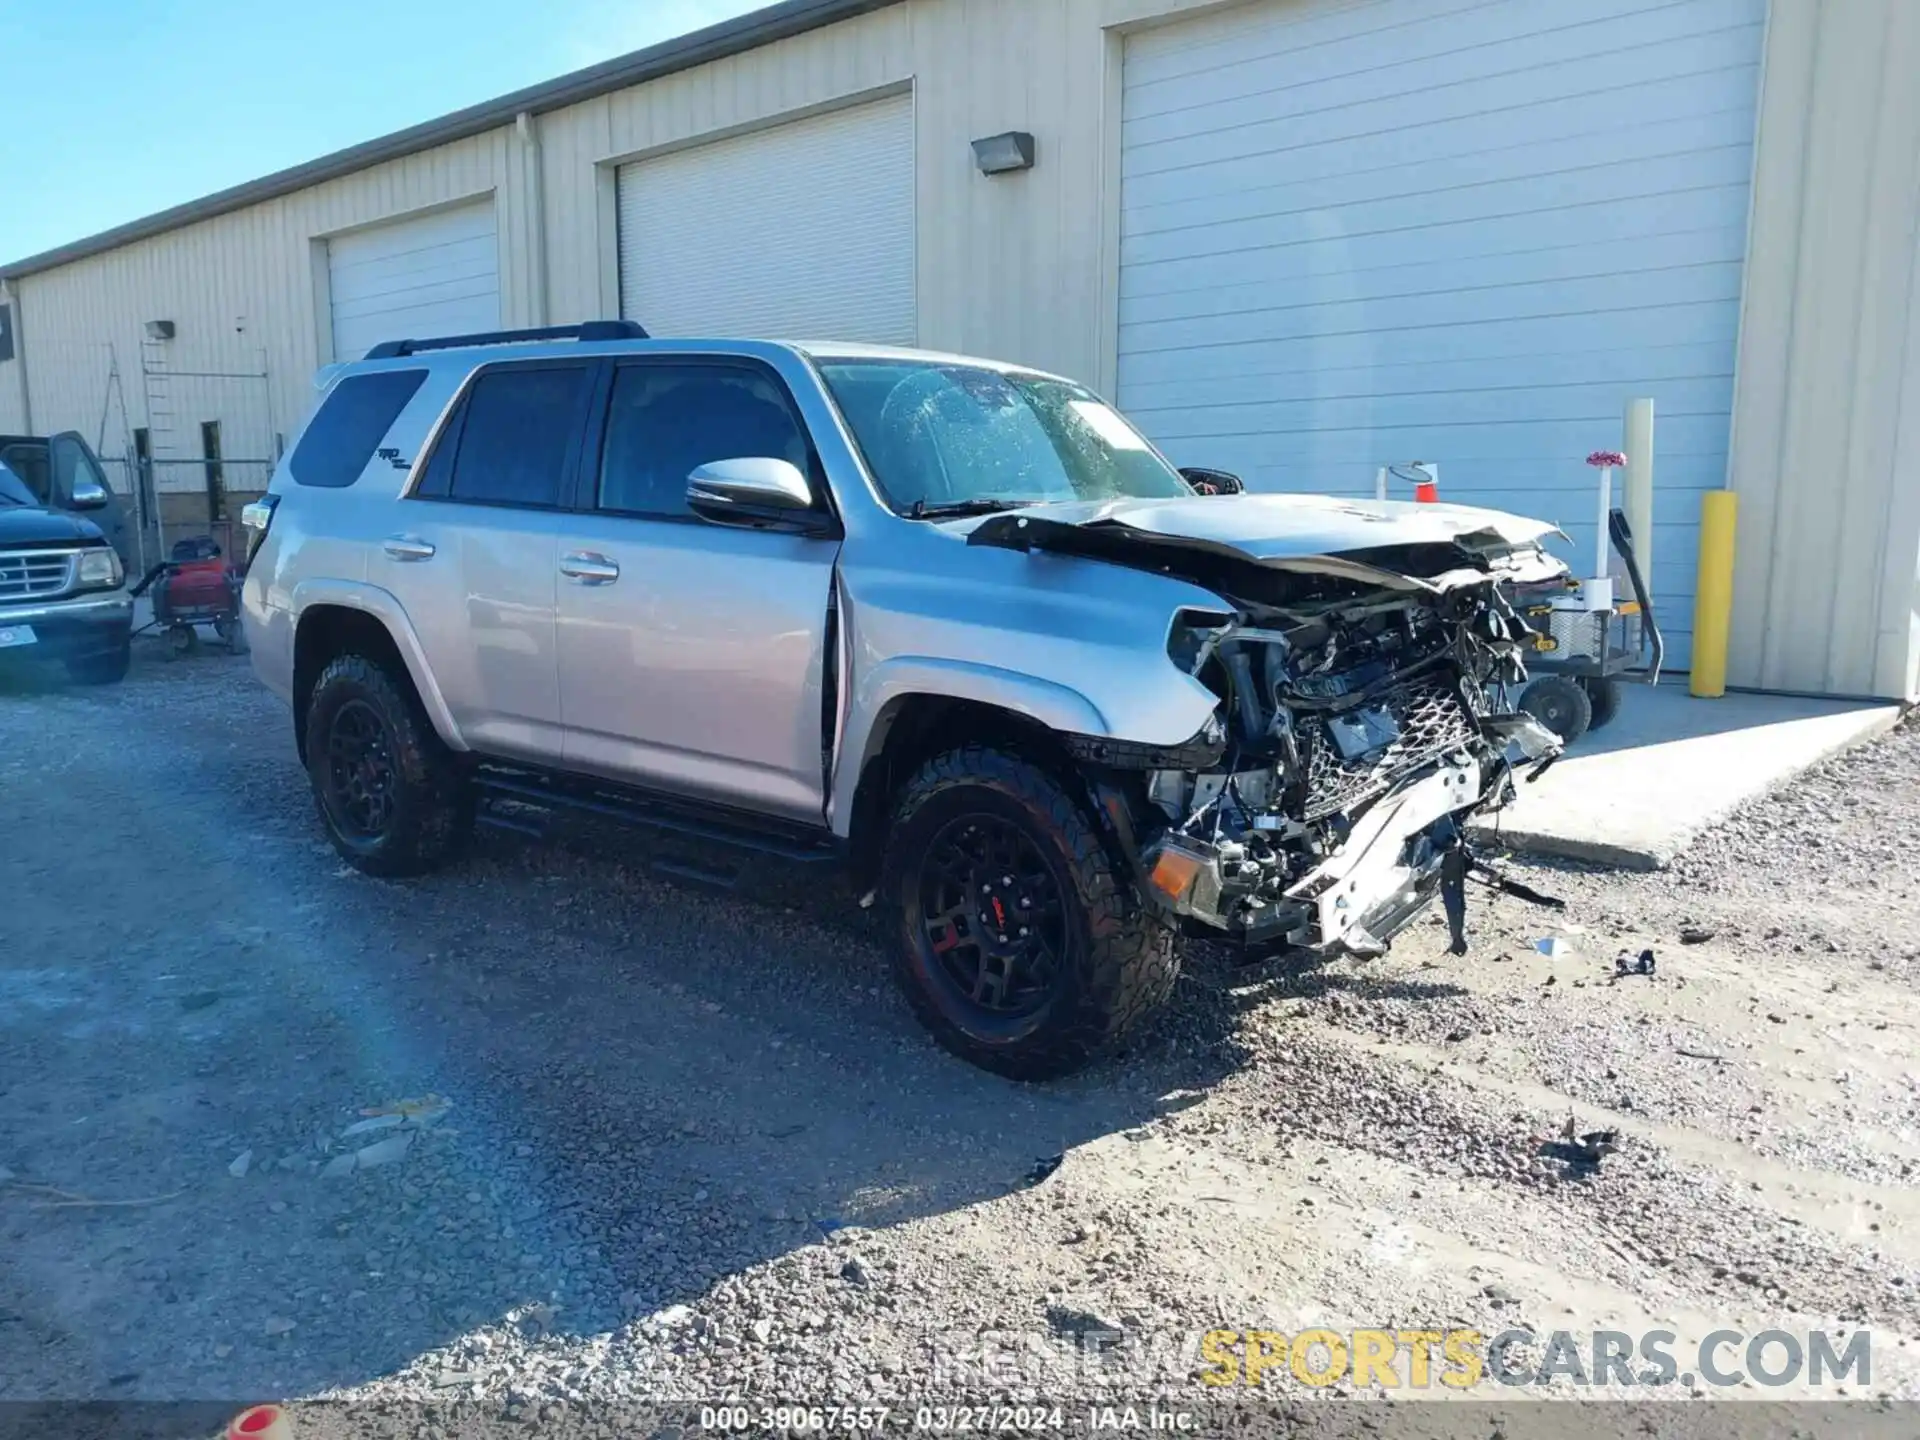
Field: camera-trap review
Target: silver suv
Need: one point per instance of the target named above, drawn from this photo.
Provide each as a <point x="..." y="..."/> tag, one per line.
<point x="952" y="624"/>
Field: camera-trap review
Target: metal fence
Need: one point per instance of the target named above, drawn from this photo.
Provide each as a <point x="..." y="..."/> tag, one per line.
<point x="168" y="499"/>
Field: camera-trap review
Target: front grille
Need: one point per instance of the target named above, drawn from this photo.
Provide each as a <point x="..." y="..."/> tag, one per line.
<point x="34" y="574"/>
<point x="1432" y="720"/>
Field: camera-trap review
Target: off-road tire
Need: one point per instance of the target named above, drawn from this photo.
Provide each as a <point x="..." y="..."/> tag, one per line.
<point x="1121" y="961"/>
<point x="1560" y="704"/>
<point x="108" y="669"/>
<point x="433" y="805"/>
<point x="1603" y="696"/>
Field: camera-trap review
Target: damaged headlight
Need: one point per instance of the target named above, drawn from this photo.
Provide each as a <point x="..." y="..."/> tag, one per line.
<point x="1192" y="638"/>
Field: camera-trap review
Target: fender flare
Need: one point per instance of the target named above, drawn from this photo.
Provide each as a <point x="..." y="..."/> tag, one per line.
<point x="385" y="607"/>
<point x="1047" y="702"/>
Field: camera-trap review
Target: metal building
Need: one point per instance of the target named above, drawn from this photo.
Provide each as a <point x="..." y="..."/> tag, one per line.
<point x="1294" y="238"/>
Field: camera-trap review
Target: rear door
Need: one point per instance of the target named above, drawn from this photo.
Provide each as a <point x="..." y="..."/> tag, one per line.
<point x="692" y="654"/>
<point x="472" y="554"/>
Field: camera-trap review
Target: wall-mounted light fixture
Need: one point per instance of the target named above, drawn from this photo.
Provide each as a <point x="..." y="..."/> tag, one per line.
<point x="159" y="329"/>
<point x="1001" y="154"/>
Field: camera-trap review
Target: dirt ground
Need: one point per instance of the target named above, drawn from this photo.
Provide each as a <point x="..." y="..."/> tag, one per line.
<point x="697" y="1147"/>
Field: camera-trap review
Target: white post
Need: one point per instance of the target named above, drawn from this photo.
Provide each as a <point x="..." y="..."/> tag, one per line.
<point x="1380" y="483"/>
<point x="1639" y="484"/>
<point x="1601" y="544"/>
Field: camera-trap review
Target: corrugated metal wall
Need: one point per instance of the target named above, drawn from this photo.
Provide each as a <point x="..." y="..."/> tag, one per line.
<point x="13" y="414"/>
<point x="1024" y="266"/>
<point x="1011" y="266"/>
<point x="1826" y="426"/>
<point x="244" y="294"/>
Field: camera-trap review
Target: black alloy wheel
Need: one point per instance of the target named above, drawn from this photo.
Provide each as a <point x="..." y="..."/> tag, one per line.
<point x="360" y="771"/>
<point x="992" y="918"/>
<point x="1023" y="946"/>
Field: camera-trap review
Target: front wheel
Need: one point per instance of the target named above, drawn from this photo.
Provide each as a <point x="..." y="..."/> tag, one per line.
<point x="1022" y="947"/>
<point x="387" y="790"/>
<point x="108" y="669"/>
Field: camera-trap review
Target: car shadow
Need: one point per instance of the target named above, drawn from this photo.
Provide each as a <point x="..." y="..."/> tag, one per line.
<point x="714" y="1083"/>
<point x="653" y="1087"/>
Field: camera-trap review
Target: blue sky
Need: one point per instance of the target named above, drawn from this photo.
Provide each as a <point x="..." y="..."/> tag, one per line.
<point x="112" y="109"/>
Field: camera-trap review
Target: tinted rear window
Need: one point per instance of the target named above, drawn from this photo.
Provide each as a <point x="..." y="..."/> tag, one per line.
<point x="520" y="424"/>
<point x="352" y="420"/>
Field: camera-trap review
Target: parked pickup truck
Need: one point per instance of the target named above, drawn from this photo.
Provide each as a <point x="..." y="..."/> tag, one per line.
<point x="64" y="474"/>
<point x="63" y="596"/>
<point x="950" y="623"/>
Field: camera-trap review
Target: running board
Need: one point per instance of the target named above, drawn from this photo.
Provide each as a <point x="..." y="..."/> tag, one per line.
<point x="674" y="817"/>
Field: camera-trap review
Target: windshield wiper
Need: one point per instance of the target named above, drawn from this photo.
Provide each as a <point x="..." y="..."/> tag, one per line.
<point x="920" y="510"/>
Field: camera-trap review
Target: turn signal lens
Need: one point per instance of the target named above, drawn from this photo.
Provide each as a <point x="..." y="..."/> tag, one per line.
<point x="1173" y="873"/>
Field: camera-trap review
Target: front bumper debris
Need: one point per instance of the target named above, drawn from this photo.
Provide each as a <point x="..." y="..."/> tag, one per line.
<point x="1398" y="855"/>
<point x="1356" y="899"/>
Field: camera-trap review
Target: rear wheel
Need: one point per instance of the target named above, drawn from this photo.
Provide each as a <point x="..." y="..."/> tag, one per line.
<point x="1021" y="947"/>
<point x="1603" y="695"/>
<point x="387" y="789"/>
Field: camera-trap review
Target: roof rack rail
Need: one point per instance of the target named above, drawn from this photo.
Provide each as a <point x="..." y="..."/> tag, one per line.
<point x="590" y="330"/>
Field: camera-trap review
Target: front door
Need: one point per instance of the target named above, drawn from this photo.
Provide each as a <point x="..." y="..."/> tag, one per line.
<point x="692" y="654"/>
<point x="80" y="484"/>
<point x="472" y="553"/>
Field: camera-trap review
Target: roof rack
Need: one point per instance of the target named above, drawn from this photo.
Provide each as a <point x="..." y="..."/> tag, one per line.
<point x="590" y="330"/>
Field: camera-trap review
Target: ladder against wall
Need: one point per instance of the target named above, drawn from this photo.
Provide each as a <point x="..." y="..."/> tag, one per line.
<point x="211" y="439"/>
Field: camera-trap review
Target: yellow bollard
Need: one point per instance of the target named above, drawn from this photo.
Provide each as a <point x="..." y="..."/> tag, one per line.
<point x="1713" y="594"/>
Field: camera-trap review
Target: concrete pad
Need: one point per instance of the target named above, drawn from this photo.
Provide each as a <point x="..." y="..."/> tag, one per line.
<point x="1637" y="793"/>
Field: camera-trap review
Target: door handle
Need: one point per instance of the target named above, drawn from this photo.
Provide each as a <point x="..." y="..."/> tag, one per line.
<point x="584" y="567"/>
<point x="407" y="547"/>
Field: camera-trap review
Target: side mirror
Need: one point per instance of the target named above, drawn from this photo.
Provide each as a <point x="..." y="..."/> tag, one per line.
<point x="1212" y="482"/>
<point x="755" y="491"/>
<point x="88" y="494"/>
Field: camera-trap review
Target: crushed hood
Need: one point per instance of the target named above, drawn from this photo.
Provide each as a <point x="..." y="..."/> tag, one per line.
<point x="1312" y="534"/>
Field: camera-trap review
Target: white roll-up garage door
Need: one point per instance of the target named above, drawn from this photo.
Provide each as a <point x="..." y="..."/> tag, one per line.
<point x="1446" y="230"/>
<point x="429" y="275"/>
<point x="802" y="231"/>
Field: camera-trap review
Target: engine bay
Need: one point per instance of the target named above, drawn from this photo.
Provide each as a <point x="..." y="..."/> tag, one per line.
<point x="1335" y="707"/>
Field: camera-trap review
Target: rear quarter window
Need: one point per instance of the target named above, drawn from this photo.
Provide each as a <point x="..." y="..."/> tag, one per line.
<point x="350" y="423"/>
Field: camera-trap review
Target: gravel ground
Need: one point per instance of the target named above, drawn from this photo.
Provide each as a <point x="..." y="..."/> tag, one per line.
<point x="693" y="1146"/>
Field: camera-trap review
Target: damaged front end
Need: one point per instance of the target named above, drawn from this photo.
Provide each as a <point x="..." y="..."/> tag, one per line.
<point x="1359" y="740"/>
<point x="1326" y="803"/>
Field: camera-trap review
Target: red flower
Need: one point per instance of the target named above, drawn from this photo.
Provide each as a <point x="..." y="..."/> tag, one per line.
<point x="1606" y="457"/>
